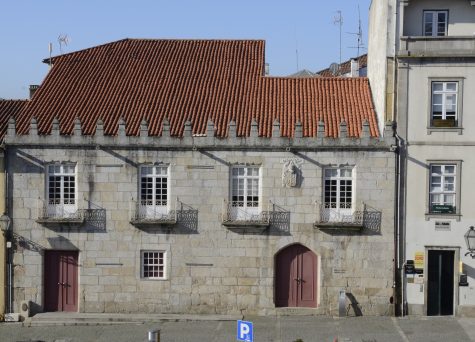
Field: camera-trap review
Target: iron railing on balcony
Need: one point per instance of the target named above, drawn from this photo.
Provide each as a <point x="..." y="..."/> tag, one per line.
<point x="144" y="212"/>
<point x="363" y="217"/>
<point x="341" y="215"/>
<point x="233" y="214"/>
<point x="49" y="211"/>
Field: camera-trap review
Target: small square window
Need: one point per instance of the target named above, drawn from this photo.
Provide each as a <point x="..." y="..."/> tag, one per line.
<point x="153" y="265"/>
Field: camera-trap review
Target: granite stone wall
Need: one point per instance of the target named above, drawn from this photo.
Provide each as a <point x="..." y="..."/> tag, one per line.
<point x="211" y="268"/>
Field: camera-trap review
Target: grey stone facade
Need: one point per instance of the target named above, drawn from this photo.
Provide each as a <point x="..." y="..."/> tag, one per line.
<point x="211" y="268"/>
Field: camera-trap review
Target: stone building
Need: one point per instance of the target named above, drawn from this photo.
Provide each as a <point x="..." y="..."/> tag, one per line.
<point x="172" y="176"/>
<point x="422" y="66"/>
<point x="8" y="108"/>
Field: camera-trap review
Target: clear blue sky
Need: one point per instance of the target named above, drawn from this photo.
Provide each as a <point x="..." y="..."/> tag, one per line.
<point x="27" y="26"/>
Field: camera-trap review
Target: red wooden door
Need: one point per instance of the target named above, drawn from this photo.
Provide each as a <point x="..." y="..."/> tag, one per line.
<point x="61" y="281"/>
<point x="296" y="277"/>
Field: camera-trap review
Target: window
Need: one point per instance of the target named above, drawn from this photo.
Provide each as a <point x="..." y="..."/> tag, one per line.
<point x="338" y="194"/>
<point x="61" y="190"/>
<point x="435" y="23"/>
<point x="444" y="104"/>
<point x="442" y="189"/>
<point x="245" y="191"/>
<point x="338" y="188"/>
<point x="153" y="264"/>
<point x="153" y="190"/>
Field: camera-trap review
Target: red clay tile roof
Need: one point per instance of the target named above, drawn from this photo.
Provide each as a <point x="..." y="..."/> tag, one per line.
<point x="345" y="67"/>
<point x="190" y="80"/>
<point x="9" y="108"/>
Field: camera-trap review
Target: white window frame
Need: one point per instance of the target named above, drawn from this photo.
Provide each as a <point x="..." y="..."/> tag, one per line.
<point x="442" y="125"/>
<point x="245" y="183"/>
<point x="443" y="184"/>
<point x="445" y="93"/>
<point x="163" y="265"/>
<point x="338" y="210"/>
<point x="457" y="164"/>
<point x="61" y="207"/>
<point x="434" y="22"/>
<point x="154" y="207"/>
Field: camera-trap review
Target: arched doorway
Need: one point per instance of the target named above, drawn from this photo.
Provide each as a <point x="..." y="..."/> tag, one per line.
<point x="296" y="277"/>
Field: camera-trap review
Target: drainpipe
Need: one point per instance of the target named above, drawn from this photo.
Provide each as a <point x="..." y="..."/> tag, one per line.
<point x="400" y="253"/>
<point x="398" y="244"/>
<point x="8" y="236"/>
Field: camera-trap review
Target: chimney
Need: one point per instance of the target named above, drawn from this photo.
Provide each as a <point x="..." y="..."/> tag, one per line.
<point x="266" y="69"/>
<point x="33" y="89"/>
<point x="355" y="68"/>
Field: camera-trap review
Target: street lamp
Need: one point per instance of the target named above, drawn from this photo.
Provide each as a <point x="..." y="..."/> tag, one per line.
<point x="470" y="240"/>
<point x="4" y="222"/>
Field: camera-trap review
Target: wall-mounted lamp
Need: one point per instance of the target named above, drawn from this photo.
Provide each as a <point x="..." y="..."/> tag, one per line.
<point x="470" y="240"/>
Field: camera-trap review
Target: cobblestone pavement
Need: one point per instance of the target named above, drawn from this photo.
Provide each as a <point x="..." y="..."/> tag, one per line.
<point x="282" y="329"/>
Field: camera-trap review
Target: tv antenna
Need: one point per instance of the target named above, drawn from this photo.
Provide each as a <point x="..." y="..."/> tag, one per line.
<point x="63" y="39"/>
<point x="359" y="36"/>
<point x="296" y="49"/>
<point x="338" y="20"/>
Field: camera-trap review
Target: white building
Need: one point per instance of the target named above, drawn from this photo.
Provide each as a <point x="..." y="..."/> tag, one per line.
<point x="422" y="73"/>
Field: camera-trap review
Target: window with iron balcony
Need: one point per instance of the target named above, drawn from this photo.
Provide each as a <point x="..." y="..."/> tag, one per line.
<point x="153" y="205"/>
<point x="61" y="203"/>
<point x="245" y="204"/>
<point x="338" y="208"/>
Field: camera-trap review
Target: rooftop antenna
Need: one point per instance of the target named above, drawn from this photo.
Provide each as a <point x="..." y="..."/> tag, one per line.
<point x="338" y="20"/>
<point x="50" y="49"/>
<point x="296" y="48"/>
<point x="359" y="36"/>
<point x="297" y="55"/>
<point x="63" y="39"/>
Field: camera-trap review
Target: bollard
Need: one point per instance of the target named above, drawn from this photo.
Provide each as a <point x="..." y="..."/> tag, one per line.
<point x="342" y="304"/>
<point x="154" y="335"/>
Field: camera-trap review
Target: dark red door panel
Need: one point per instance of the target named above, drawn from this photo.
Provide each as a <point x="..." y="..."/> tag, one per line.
<point x="286" y="272"/>
<point x="296" y="277"/>
<point x="308" y="279"/>
<point x="61" y="280"/>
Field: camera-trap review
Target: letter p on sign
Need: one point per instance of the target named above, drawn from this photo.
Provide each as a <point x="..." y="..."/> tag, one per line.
<point x="244" y="331"/>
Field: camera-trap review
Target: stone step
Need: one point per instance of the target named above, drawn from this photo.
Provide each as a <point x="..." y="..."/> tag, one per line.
<point x="299" y="312"/>
<point x="55" y="318"/>
<point x="73" y="322"/>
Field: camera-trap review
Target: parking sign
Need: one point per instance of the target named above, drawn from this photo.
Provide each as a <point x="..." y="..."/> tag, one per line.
<point x="244" y="331"/>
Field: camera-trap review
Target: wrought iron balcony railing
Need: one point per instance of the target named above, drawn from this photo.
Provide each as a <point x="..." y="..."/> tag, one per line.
<point x="330" y="217"/>
<point x="50" y="212"/>
<point x="235" y="215"/>
<point x="148" y="213"/>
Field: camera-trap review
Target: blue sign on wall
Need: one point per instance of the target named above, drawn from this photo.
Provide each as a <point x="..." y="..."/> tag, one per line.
<point x="244" y="331"/>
